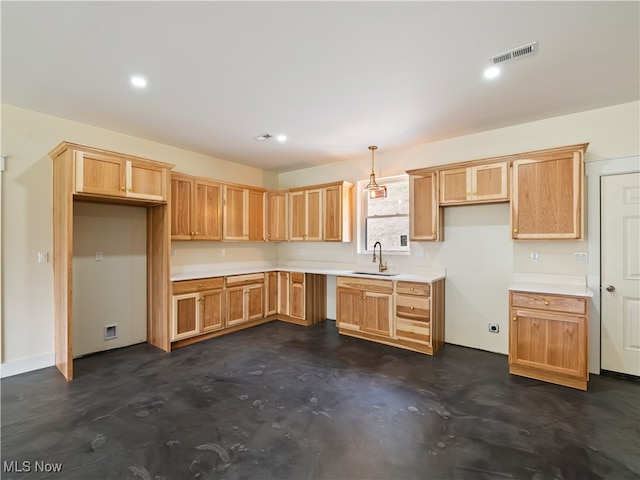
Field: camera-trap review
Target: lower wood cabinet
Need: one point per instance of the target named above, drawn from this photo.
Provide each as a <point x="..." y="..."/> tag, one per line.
<point x="198" y="307"/>
<point x="245" y="298"/>
<point x="404" y="314"/>
<point x="548" y="338"/>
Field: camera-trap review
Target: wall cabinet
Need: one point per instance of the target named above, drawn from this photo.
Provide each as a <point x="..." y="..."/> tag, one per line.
<point x="243" y="214"/>
<point x="547" y="196"/>
<point x="305" y="223"/>
<point x="364" y="305"/>
<point x="475" y="184"/>
<point x="548" y="338"/>
<point x="277" y="216"/>
<point x="195" y="208"/>
<point x="198" y="307"/>
<point x="337" y="212"/>
<point x="425" y="215"/>
<point x="107" y="175"/>
<point x="245" y="298"/>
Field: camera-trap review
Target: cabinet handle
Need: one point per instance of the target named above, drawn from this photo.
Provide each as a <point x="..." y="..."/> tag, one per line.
<point x="514" y="318"/>
<point x="467" y="194"/>
<point x="123" y="189"/>
<point x="410" y="308"/>
<point x="197" y="233"/>
<point x="433" y="232"/>
<point x="199" y="285"/>
<point x="411" y="289"/>
<point x="130" y="189"/>
<point x="515" y="230"/>
<point x="546" y="302"/>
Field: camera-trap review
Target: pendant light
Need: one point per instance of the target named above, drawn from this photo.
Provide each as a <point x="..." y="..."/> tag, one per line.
<point x="375" y="190"/>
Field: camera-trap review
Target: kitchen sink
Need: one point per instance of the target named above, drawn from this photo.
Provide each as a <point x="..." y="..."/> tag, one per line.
<point x="381" y="274"/>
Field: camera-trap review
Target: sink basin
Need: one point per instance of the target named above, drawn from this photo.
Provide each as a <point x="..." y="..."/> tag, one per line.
<point x="381" y="274"/>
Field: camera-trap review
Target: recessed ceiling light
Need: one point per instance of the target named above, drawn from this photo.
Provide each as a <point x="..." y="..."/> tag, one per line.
<point x="281" y="138"/>
<point x="491" y="72"/>
<point x="138" y="81"/>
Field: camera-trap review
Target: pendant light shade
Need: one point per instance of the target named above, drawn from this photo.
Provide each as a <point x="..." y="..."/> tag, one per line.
<point x="373" y="188"/>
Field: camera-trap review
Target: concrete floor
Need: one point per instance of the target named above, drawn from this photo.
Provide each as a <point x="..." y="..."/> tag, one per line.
<point x="281" y="401"/>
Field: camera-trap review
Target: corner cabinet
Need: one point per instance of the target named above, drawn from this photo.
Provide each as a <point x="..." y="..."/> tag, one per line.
<point x="425" y="215"/>
<point x="547" y="195"/>
<point x="196" y="212"/>
<point x="548" y="338"/>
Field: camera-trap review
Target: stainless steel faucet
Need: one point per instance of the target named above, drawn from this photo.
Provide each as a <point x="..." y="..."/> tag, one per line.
<point x="381" y="266"/>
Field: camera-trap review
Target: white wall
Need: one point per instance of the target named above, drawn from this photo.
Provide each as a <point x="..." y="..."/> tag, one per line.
<point x="114" y="289"/>
<point x="476" y="282"/>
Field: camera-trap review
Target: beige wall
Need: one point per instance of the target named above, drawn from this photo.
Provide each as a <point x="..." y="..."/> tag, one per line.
<point x="477" y="253"/>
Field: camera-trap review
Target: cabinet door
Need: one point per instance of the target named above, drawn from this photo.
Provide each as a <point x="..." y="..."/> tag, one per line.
<point x="546" y="201"/>
<point x="146" y="181"/>
<point x="185" y="321"/>
<point x="277" y="220"/>
<point x="549" y="342"/>
<point x="211" y="311"/>
<point x="283" y="293"/>
<point x="272" y="293"/>
<point x="100" y="174"/>
<point x="413" y="318"/>
<point x="235" y="306"/>
<point x="255" y="301"/>
<point x="255" y="216"/>
<point x="233" y="216"/>
<point x="297" y="295"/>
<point x="349" y="308"/>
<point x="424" y="213"/>
<point x="333" y="207"/>
<point x="206" y="218"/>
<point x="298" y="216"/>
<point x="377" y="313"/>
<point x="454" y="186"/>
<point x="181" y="207"/>
<point x="490" y="182"/>
<point x="314" y="215"/>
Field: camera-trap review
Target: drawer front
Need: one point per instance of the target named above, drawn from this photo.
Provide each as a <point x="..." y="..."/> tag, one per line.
<point x="556" y="303"/>
<point x="297" y="277"/>
<point x="248" y="279"/>
<point x="413" y="288"/>
<point x="412" y="330"/>
<point x="414" y="308"/>
<point x="200" y="285"/>
<point x="366" y="284"/>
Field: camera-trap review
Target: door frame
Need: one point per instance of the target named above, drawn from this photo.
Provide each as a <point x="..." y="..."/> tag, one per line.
<point x="595" y="169"/>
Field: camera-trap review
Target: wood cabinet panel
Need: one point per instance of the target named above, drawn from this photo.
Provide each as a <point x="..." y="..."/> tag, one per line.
<point x="235" y="305"/>
<point x="413" y="288"/>
<point x="255" y="216"/>
<point x="195" y="208"/>
<point x="198" y="285"/>
<point x="297" y="305"/>
<point x="558" y="303"/>
<point x="306" y="216"/>
<point x="181" y="207"/>
<point x="425" y="215"/>
<point x="283" y="293"/>
<point x="185" y="317"/>
<point x="145" y="180"/>
<point x="277" y="216"/>
<point x="453" y="186"/>
<point x="337" y="213"/>
<point x="212" y="311"/>
<point x="100" y="174"/>
<point x="364" y="309"/>
<point x="271" y="295"/>
<point x="233" y="216"/>
<point x="475" y="184"/>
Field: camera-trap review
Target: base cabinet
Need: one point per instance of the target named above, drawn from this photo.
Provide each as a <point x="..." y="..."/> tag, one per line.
<point x="245" y="298"/>
<point x="548" y="338"/>
<point x="198" y="307"/>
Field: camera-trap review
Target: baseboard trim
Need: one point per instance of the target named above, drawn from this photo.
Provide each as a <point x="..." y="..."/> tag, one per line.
<point x="28" y="364"/>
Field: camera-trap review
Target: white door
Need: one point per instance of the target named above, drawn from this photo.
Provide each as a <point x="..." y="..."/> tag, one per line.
<point x="620" y="273"/>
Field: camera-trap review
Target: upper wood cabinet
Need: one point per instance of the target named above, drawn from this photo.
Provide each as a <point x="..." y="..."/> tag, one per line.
<point x="277" y="216"/>
<point x="243" y="213"/>
<point x="305" y="223"/>
<point x="475" y="184"/>
<point x="425" y="216"/>
<point x="547" y="195"/>
<point x="195" y="208"/>
<point x="106" y="175"/>
<point x="337" y="212"/>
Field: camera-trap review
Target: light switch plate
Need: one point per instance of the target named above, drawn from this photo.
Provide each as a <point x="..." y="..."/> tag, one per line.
<point x="535" y="257"/>
<point x="580" y="257"/>
<point x="98" y="256"/>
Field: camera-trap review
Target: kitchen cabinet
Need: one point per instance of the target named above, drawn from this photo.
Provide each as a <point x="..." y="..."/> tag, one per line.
<point x="547" y="195"/>
<point x="305" y="219"/>
<point x="415" y="324"/>
<point x="243" y="213"/>
<point x="297" y="295"/>
<point x="480" y="183"/>
<point x="198" y="307"/>
<point x="337" y="212"/>
<point x="283" y="293"/>
<point x="364" y="306"/>
<point x="195" y="208"/>
<point x="271" y="297"/>
<point x="548" y="338"/>
<point x="277" y="216"/>
<point x="104" y="175"/>
<point x="425" y="215"/>
<point x="245" y="298"/>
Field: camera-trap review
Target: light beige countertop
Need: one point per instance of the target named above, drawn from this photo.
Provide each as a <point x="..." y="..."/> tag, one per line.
<point x="552" y="284"/>
<point x="192" y="272"/>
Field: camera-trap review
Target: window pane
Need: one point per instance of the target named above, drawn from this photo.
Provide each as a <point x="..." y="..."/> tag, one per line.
<point x="388" y="231"/>
<point x="396" y="202"/>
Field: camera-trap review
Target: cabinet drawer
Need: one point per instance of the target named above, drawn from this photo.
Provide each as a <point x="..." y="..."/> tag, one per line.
<point x="413" y="330"/>
<point x="297" y="277"/>
<point x="366" y="284"/>
<point x="414" y="308"/>
<point x="556" y="303"/>
<point x="248" y="279"/>
<point x="200" y="285"/>
<point x="413" y="288"/>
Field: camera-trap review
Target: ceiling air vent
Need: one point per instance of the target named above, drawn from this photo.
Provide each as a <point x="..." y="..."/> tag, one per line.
<point x="519" y="52"/>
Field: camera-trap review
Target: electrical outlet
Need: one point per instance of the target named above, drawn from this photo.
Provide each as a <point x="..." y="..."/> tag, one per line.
<point x="98" y="256"/>
<point x="535" y="257"/>
<point x="580" y="257"/>
<point x="494" y="327"/>
<point x="43" y="257"/>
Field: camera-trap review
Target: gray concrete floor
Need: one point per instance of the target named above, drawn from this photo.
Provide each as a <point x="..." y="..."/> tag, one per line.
<point x="281" y="401"/>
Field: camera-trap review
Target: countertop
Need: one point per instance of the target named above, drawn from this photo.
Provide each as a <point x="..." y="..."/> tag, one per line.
<point x="425" y="275"/>
<point x="553" y="284"/>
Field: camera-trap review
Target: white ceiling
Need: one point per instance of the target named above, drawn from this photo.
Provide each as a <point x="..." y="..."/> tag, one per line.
<point x="334" y="77"/>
